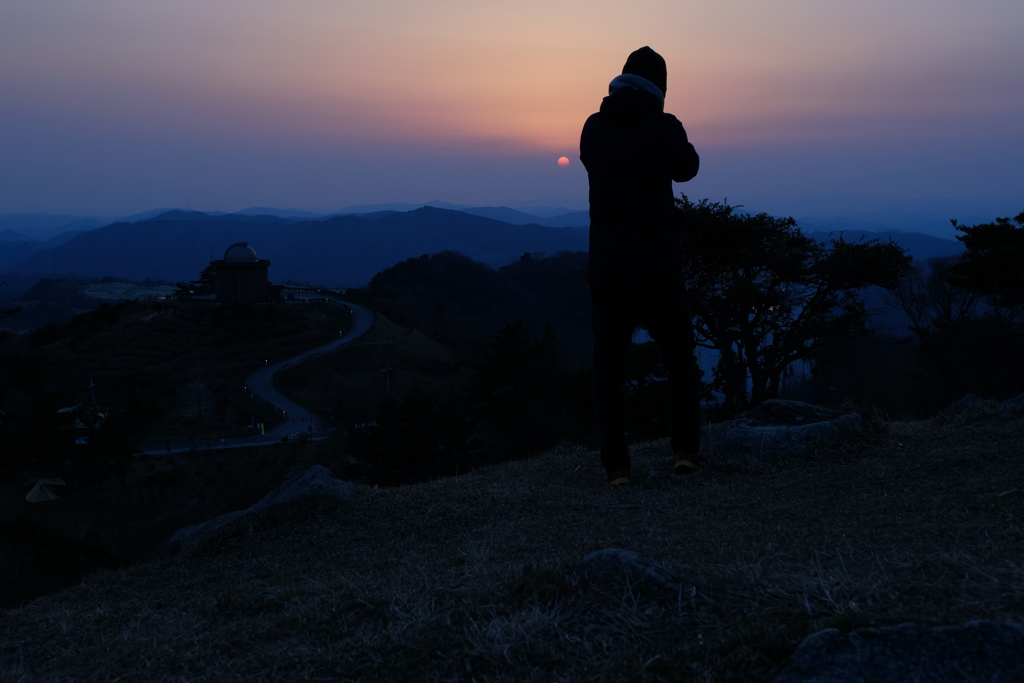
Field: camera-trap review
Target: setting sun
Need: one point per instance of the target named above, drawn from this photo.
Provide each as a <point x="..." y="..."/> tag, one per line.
<point x="563" y="161"/>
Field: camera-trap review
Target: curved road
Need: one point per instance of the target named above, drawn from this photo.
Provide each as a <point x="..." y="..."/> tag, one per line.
<point x="261" y="383"/>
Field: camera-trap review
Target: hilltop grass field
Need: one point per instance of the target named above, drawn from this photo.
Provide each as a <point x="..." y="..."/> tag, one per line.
<point x="474" y="578"/>
<point x="104" y="525"/>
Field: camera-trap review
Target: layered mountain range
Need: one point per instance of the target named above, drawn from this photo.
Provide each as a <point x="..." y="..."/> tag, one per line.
<point x="339" y="251"/>
<point x="342" y="251"/>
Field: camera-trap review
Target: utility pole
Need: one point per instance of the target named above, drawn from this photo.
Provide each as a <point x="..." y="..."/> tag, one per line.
<point x="92" y="389"/>
<point x="387" y="376"/>
<point x="199" y="376"/>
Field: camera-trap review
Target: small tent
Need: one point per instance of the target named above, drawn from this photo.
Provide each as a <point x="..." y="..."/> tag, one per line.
<point x="43" y="491"/>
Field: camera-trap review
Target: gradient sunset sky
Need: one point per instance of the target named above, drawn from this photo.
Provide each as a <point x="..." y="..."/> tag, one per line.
<point x="115" y="106"/>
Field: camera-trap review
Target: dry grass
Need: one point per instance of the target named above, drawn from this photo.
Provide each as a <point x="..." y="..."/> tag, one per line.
<point x="471" y="578"/>
<point x="351" y="381"/>
<point x="119" y="291"/>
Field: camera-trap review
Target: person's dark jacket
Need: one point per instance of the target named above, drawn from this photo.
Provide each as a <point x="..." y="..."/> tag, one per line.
<point x="633" y="151"/>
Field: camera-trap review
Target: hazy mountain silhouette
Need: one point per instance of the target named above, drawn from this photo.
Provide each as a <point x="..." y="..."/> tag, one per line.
<point x="43" y="226"/>
<point x="269" y="211"/>
<point x="396" y="206"/>
<point x="504" y="214"/>
<point x="144" y="216"/>
<point x="545" y="211"/>
<point x="561" y="218"/>
<point x="342" y="250"/>
<point x="14" y="251"/>
<point x="928" y="215"/>
<point x="553" y="218"/>
<point x="549" y="217"/>
<point x="338" y="251"/>
<point x="922" y="247"/>
<point x="46" y="226"/>
<point x="918" y="245"/>
<point x="9" y="235"/>
<point x="572" y="219"/>
<point x="567" y="220"/>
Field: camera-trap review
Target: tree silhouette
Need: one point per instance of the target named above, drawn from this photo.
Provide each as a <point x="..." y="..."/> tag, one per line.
<point x="514" y="381"/>
<point x="107" y="449"/>
<point x="765" y="295"/>
<point x="414" y="439"/>
<point x="204" y="285"/>
<point x="994" y="263"/>
<point x="962" y="346"/>
<point x="7" y="313"/>
<point x="928" y="296"/>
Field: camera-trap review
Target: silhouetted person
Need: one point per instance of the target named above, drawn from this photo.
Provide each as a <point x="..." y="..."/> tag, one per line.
<point x="633" y="151"/>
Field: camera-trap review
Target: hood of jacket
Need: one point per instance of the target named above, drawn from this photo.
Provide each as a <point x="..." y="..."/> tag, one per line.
<point x="632" y="99"/>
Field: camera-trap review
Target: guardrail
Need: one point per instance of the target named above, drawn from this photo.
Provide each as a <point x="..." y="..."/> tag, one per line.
<point x="219" y="444"/>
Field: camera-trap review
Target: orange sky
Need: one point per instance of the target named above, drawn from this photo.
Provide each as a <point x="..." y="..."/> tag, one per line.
<point x="501" y="78"/>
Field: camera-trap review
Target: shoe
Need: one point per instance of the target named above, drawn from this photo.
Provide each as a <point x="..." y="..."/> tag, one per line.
<point x="617" y="477"/>
<point x="688" y="463"/>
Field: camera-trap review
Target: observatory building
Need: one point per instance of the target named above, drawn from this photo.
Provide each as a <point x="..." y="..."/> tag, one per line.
<point x="241" y="275"/>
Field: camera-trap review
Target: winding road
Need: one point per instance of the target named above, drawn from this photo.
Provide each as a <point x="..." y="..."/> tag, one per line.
<point x="261" y="383"/>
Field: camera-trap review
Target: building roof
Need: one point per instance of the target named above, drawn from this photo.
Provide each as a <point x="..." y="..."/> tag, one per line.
<point x="240" y="252"/>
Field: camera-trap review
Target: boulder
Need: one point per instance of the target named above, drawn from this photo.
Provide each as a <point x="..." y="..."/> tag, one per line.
<point x="774" y="428"/>
<point x="976" y="651"/>
<point x="965" y="406"/>
<point x="317" y="481"/>
<point x="618" y="564"/>
<point x="1010" y="408"/>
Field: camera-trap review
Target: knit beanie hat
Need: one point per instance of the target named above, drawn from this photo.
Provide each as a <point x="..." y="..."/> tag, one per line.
<point x="646" y="63"/>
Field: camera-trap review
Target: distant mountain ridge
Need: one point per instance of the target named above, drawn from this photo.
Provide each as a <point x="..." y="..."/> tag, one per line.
<point x="9" y="235"/>
<point x="571" y="219"/>
<point x="16" y="250"/>
<point x="922" y="247"/>
<point x="43" y="226"/>
<point x="340" y="251"/>
<point x="266" y="210"/>
<point x="343" y="250"/>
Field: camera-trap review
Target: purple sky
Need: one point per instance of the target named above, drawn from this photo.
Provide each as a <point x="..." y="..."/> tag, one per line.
<point x="116" y="106"/>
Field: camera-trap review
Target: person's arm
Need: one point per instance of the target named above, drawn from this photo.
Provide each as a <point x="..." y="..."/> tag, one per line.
<point x="684" y="159"/>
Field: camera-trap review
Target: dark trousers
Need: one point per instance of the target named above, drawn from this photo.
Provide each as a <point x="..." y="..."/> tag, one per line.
<point x="650" y="292"/>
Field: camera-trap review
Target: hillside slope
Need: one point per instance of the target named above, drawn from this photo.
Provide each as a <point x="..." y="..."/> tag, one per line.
<point x="350" y="383"/>
<point x="177" y="368"/>
<point x="471" y="578"/>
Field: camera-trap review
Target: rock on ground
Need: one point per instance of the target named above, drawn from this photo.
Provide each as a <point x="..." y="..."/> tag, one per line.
<point x="1010" y="408"/>
<point x="774" y="428"/>
<point x="616" y="563"/>
<point x="973" y="408"/>
<point x="965" y="406"/>
<point x="316" y="481"/>
<point x="978" y="651"/>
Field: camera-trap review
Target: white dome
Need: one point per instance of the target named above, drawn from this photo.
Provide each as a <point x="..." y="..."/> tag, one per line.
<point x="241" y="252"/>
